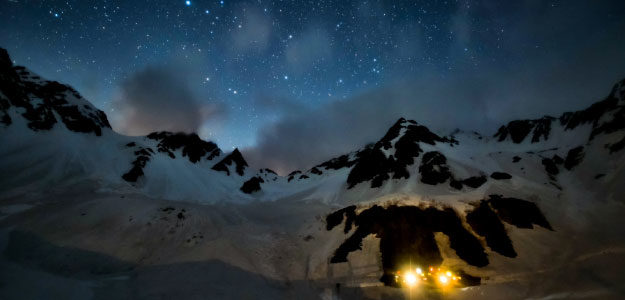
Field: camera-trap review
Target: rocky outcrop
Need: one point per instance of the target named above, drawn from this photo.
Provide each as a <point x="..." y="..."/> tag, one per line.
<point x="406" y="233"/>
<point x="191" y="145"/>
<point x="374" y="166"/>
<point x="235" y="158"/>
<point x="518" y="130"/>
<point x="41" y="102"/>
<point x="252" y="185"/>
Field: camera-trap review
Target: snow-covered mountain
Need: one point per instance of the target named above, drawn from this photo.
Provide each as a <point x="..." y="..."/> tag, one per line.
<point x="86" y="212"/>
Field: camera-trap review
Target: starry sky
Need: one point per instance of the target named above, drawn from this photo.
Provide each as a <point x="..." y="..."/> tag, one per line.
<point x="294" y="82"/>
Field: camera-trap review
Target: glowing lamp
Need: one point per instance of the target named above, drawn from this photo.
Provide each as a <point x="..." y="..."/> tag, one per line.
<point x="410" y="279"/>
<point x="443" y="279"/>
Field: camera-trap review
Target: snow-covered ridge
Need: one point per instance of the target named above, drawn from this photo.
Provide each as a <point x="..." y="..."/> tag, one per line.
<point x="43" y="102"/>
<point x="605" y="116"/>
<point x="52" y="137"/>
<point x="408" y="158"/>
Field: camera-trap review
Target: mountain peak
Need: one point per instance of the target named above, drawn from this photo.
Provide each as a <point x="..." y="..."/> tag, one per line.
<point x="191" y="144"/>
<point x="41" y="101"/>
<point x="603" y="117"/>
<point x="235" y="157"/>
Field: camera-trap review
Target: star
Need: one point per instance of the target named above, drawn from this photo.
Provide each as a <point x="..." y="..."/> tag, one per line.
<point x="330" y="47"/>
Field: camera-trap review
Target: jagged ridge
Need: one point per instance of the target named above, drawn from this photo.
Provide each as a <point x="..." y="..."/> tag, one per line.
<point x="19" y="87"/>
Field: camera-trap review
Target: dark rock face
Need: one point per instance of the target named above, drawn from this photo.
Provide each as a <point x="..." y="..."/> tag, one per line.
<point x="475" y="181"/>
<point x="407" y="147"/>
<point x="516" y="159"/>
<point x="472" y="182"/>
<point x="500" y="175"/>
<point x="304" y="177"/>
<point x="270" y="171"/>
<point x="557" y="159"/>
<point x="392" y="134"/>
<point x="574" y="157"/>
<point x="517" y="212"/>
<point x="519" y="129"/>
<point x="142" y="158"/>
<point x="407" y="234"/>
<point x="434" y="168"/>
<point x="593" y="114"/>
<point x="315" y="171"/>
<point x="551" y="165"/>
<point x="252" y="185"/>
<point x="192" y="146"/>
<point x="337" y="163"/>
<point x="267" y="171"/>
<point x="485" y="222"/>
<point x="233" y="158"/>
<point x="20" y="88"/>
<point x="456" y="184"/>
<point x="596" y="111"/>
<point x="372" y="164"/>
<point x="336" y="218"/>
<point x="618" y="146"/>
<point x="292" y="175"/>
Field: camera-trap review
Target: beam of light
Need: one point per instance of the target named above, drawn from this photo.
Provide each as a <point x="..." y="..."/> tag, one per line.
<point x="410" y="279"/>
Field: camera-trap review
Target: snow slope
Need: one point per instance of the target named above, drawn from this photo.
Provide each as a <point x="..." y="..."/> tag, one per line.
<point x="88" y="213"/>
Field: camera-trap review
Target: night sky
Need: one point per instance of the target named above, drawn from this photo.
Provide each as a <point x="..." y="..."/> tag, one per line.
<point x="296" y="82"/>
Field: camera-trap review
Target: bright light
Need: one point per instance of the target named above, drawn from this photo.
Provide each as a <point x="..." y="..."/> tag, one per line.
<point x="442" y="279"/>
<point x="410" y="279"/>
